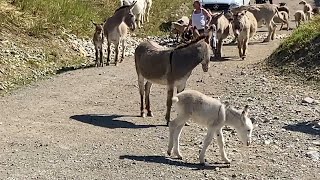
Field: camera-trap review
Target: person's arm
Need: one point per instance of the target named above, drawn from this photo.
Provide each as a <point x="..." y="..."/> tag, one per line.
<point x="208" y="16"/>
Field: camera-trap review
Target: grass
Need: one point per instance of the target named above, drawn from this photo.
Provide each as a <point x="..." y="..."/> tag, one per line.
<point x="42" y="24"/>
<point x="299" y="54"/>
<point x="74" y="15"/>
<point x="301" y="36"/>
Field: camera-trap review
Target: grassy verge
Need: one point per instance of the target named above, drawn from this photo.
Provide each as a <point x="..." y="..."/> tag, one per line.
<point x="40" y="25"/>
<point x="75" y="15"/>
<point x="299" y="54"/>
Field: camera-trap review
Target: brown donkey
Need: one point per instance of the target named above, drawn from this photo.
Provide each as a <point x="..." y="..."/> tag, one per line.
<point x="98" y="42"/>
<point x="116" y="29"/>
<point x="170" y="67"/>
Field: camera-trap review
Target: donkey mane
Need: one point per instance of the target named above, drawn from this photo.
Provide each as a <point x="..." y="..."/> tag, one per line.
<point x="122" y="7"/>
<point x="192" y="42"/>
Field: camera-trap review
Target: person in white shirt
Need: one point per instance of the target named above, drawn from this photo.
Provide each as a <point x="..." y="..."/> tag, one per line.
<point x="200" y="18"/>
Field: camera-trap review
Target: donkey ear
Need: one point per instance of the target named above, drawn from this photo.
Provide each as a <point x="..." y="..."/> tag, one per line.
<point x="134" y="3"/>
<point x="95" y="24"/>
<point x="245" y="110"/>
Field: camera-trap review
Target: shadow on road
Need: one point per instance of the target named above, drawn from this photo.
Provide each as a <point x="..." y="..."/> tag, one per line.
<point x="67" y="69"/>
<point x="172" y="162"/>
<point x="309" y="127"/>
<point x="109" y="121"/>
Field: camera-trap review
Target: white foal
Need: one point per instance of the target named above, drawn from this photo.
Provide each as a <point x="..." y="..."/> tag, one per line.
<point x="211" y="113"/>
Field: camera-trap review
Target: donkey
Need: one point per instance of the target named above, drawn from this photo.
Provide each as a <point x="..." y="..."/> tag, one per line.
<point x="138" y="10"/>
<point x="211" y="113"/>
<point x="147" y="10"/>
<point x="245" y="26"/>
<point x="116" y="29"/>
<point x="170" y="67"/>
<point x="97" y="42"/>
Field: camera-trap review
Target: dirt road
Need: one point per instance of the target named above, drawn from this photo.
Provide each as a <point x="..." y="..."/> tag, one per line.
<point x="82" y="125"/>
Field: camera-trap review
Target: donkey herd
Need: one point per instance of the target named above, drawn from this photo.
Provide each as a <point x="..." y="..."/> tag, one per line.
<point x="173" y="66"/>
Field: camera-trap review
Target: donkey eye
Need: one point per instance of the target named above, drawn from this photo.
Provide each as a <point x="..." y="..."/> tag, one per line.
<point x="248" y="130"/>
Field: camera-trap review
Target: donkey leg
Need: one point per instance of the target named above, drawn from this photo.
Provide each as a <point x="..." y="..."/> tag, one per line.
<point x="101" y="57"/>
<point x="141" y="91"/>
<point x="116" y="54"/>
<point x="206" y="143"/>
<point x="273" y="30"/>
<point x="220" y="140"/>
<point x="122" y="53"/>
<point x="173" y="128"/>
<point x="270" y="30"/>
<point x="139" y="20"/>
<point x="240" y="47"/>
<point x="181" y="88"/>
<point x="109" y="53"/>
<point x="219" y="49"/>
<point x="169" y="103"/>
<point x="97" y="58"/>
<point x="147" y="91"/>
<point x="245" y="45"/>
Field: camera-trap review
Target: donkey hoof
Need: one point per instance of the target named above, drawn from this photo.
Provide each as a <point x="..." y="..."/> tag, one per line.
<point x="107" y="64"/>
<point x="243" y="57"/>
<point x="179" y="157"/>
<point x="169" y="153"/>
<point x="266" y="40"/>
<point x="142" y="114"/>
<point x="205" y="164"/>
<point x="187" y="124"/>
<point x="149" y="114"/>
<point x="227" y="161"/>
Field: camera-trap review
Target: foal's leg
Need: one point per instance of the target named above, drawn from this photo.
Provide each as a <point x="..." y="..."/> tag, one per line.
<point x="206" y="143"/>
<point x="101" y="56"/>
<point x="169" y="103"/>
<point x="122" y="54"/>
<point x="175" y="128"/>
<point x="97" y="58"/>
<point x="141" y="91"/>
<point x="220" y="141"/>
<point x="147" y="91"/>
<point x="109" y="53"/>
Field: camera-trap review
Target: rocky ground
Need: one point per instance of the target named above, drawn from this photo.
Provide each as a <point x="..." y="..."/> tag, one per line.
<point x="83" y="124"/>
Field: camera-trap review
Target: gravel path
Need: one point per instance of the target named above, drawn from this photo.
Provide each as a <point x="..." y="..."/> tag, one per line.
<point x="83" y="124"/>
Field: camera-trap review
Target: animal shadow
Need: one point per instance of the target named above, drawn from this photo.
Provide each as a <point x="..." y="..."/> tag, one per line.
<point x="109" y="121"/>
<point x="172" y="162"/>
<point x="224" y="58"/>
<point x="308" y="127"/>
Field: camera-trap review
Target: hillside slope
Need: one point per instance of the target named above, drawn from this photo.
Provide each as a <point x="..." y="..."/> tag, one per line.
<point x="300" y="53"/>
<point x="41" y="37"/>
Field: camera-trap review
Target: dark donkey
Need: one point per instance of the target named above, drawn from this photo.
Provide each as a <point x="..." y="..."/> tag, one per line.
<point x="170" y="67"/>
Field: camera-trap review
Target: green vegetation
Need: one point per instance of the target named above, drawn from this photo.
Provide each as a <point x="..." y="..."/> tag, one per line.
<point x="299" y="54"/>
<point x="41" y="25"/>
<point x="75" y="15"/>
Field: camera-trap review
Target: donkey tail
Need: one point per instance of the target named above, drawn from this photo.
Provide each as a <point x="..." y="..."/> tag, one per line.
<point x="175" y="99"/>
<point x="280" y="17"/>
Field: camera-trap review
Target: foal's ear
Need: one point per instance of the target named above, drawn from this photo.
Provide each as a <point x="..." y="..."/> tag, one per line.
<point x="245" y="110"/>
<point x="95" y="24"/>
